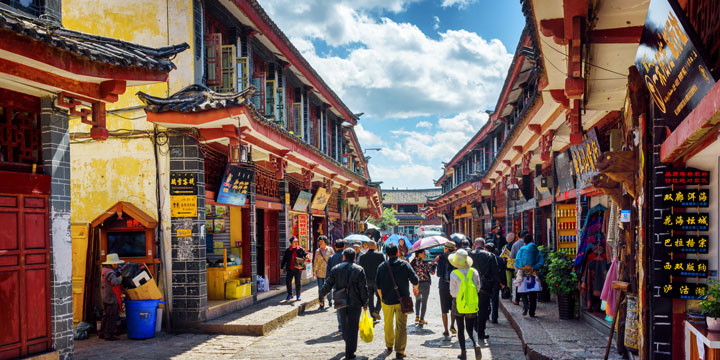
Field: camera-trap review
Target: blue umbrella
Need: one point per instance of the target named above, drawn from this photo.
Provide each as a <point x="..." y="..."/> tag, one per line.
<point x="395" y="239"/>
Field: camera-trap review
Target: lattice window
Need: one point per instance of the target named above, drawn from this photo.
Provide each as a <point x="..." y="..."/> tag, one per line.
<point x="228" y="66"/>
<point x="20" y="139"/>
<point x="215" y="164"/>
<point x="258" y="79"/>
<point x="265" y="183"/>
<point x="214" y="59"/>
<point x="333" y="202"/>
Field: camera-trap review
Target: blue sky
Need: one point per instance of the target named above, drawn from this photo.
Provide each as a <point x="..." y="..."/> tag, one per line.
<point x="423" y="71"/>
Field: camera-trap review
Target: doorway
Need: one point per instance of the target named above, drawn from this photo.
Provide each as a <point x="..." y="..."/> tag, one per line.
<point x="272" y="251"/>
<point x="260" y="241"/>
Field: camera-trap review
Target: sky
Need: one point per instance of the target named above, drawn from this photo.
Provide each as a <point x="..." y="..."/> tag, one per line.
<point x="423" y="72"/>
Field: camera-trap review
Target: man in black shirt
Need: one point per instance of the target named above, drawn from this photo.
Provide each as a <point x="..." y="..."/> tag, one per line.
<point x="484" y="262"/>
<point x="443" y="272"/>
<point x="370" y="261"/>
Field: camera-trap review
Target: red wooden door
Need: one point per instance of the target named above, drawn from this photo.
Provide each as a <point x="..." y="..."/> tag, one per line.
<point x="272" y="251"/>
<point x="24" y="275"/>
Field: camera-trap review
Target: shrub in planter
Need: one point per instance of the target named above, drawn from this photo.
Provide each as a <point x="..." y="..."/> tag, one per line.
<point x="562" y="281"/>
<point x="710" y="306"/>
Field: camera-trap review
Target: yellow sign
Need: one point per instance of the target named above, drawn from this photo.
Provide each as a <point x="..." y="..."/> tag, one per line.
<point x="183" y="206"/>
<point x="184" y="232"/>
<point x="320" y="200"/>
<point x="287" y="198"/>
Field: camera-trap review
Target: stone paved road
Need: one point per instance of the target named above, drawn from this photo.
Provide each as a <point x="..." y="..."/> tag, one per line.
<point x="309" y="336"/>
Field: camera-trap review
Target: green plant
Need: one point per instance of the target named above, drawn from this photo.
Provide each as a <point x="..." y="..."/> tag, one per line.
<point x="543" y="271"/>
<point x="561" y="277"/>
<point x="710" y="306"/>
<point x="387" y="220"/>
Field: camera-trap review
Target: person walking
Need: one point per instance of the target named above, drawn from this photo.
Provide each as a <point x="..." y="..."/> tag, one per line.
<point x="464" y="285"/>
<point x="403" y="248"/>
<point x="517" y="245"/>
<point x="293" y="263"/>
<point x="370" y="261"/>
<point x="111" y="296"/>
<point x="333" y="261"/>
<point x="351" y="277"/>
<point x="423" y="269"/>
<point x="393" y="279"/>
<point x="444" y="268"/>
<point x="498" y="283"/>
<point x="499" y="241"/>
<point x="509" y="263"/>
<point x="484" y="263"/>
<point x="528" y="257"/>
<point x="320" y="267"/>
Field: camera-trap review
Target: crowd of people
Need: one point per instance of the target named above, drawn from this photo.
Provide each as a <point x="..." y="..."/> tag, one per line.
<point x="470" y="281"/>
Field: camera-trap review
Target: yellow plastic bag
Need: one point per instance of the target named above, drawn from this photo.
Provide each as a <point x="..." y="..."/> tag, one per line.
<point x="366" y="327"/>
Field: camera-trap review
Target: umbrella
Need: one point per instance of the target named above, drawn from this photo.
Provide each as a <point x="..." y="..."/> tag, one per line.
<point x="357" y="238"/>
<point x="428" y="243"/>
<point x="373" y="234"/>
<point x="395" y="238"/>
<point x="458" y="238"/>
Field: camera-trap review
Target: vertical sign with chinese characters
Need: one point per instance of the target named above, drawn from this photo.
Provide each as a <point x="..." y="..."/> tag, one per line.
<point x="183" y="194"/>
<point x="303" y="230"/>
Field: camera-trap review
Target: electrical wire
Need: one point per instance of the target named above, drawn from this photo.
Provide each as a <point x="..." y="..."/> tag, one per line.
<point x="584" y="61"/>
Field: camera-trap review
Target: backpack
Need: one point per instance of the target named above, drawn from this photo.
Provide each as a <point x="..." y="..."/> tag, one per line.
<point x="467" y="297"/>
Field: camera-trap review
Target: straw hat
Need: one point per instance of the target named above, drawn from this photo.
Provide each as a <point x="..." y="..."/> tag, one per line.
<point x="450" y="245"/>
<point x="460" y="259"/>
<point x="113" y="259"/>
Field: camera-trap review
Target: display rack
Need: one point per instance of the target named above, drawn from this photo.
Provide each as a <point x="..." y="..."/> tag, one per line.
<point x="566" y="224"/>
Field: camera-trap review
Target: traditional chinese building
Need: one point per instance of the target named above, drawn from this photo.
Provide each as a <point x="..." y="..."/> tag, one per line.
<point x="410" y="205"/>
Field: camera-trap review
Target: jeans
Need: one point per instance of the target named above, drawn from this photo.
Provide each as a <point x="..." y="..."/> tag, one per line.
<point x="294" y="273"/>
<point x="321" y="282"/>
<point x="421" y="299"/>
<point x="465" y="323"/>
<point x="395" y="334"/>
<point x="529" y="301"/>
<point x="483" y="312"/>
<point x="494" y="299"/>
<point x="350" y="319"/>
<point x="374" y="299"/>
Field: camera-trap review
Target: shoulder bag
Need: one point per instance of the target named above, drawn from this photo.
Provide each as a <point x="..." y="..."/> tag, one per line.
<point x="341" y="295"/>
<point x="406" y="303"/>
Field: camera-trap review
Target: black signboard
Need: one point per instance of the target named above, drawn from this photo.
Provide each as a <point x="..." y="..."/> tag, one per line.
<point x="687" y="222"/>
<point x="686" y="244"/>
<point x="584" y="157"/>
<point x="182" y="183"/>
<point x="564" y="173"/>
<point x="671" y="62"/>
<point x="679" y="290"/>
<point x="685" y="176"/>
<point x="687" y="267"/>
<point x="235" y="185"/>
<point x="685" y="198"/>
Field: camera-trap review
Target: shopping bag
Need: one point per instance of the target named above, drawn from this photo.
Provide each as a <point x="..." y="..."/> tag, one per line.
<point x="366" y="327"/>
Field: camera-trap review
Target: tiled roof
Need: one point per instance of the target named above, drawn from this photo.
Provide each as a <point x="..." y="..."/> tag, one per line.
<point x="412" y="196"/>
<point x="93" y="47"/>
<point x="194" y="98"/>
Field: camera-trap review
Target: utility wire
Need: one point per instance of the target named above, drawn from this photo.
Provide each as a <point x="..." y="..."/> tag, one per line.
<point x="585" y="61"/>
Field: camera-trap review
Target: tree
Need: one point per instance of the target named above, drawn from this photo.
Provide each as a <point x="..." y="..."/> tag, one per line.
<point x="387" y="220"/>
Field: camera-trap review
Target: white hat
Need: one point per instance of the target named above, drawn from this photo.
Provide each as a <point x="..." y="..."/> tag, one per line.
<point x="113" y="259"/>
<point x="460" y="259"/>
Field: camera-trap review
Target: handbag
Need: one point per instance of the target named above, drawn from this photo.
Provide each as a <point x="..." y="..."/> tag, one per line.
<point x="406" y="302"/>
<point x="341" y="295"/>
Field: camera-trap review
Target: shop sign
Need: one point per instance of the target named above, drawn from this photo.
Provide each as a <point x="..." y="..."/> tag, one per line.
<point x="686" y="222"/>
<point x="625" y="216"/>
<point x="320" y="200"/>
<point x="685" y="198"/>
<point x="235" y="185"/>
<point x="564" y="173"/>
<point x="182" y="183"/>
<point x="671" y="62"/>
<point x="464" y="210"/>
<point x="302" y="201"/>
<point x="679" y="290"/>
<point x="687" y="267"/>
<point x="686" y="176"/>
<point x="585" y="156"/>
<point x="184" y="232"/>
<point x="183" y="205"/>
<point x="686" y="243"/>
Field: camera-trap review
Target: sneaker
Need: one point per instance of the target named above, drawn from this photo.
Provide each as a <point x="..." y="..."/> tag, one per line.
<point x="423" y="322"/>
<point x="400" y="356"/>
<point x="516" y="302"/>
<point x="446" y="334"/>
<point x="478" y="352"/>
<point x="524" y="312"/>
<point x="417" y="319"/>
<point x="289" y="297"/>
<point x="388" y="351"/>
<point x="298" y="298"/>
<point x="452" y="330"/>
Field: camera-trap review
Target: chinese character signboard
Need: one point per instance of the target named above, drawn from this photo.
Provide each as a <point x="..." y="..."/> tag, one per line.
<point x="302" y="201"/>
<point x="183" y="205"/>
<point x="182" y="183"/>
<point x="235" y="185"/>
<point x="564" y="173"/>
<point x="686" y="222"/>
<point x="671" y="63"/>
<point x="686" y="243"/>
<point x="685" y="176"/>
<point x="687" y="267"/>
<point x="584" y="157"/>
<point x="685" y="198"/>
<point x="302" y="221"/>
<point x="683" y="290"/>
<point x="320" y="200"/>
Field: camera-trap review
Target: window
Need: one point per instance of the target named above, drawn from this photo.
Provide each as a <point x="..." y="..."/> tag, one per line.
<point x="407" y="208"/>
<point x="30" y="7"/>
<point x="228" y="67"/>
<point x="214" y="59"/>
<point x="126" y="244"/>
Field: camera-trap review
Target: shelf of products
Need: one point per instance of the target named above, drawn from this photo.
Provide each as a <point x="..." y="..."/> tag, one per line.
<point x="566" y="224"/>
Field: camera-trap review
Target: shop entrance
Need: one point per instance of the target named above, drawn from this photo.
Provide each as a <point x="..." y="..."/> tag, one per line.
<point x="272" y="251"/>
<point x="260" y="242"/>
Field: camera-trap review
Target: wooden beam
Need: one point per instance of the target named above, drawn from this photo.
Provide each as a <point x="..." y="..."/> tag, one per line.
<point x="626" y="35"/>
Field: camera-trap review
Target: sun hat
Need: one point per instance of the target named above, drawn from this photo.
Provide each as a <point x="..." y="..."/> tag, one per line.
<point x="460" y="259"/>
<point x="450" y="245"/>
<point x="113" y="259"/>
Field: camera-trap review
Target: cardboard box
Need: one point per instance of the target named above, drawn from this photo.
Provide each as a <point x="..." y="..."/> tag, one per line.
<point x="146" y="291"/>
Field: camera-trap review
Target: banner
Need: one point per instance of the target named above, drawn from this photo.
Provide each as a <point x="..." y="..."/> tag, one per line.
<point x="320" y="200"/>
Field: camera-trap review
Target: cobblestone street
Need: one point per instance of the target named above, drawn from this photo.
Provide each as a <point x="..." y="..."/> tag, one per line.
<point x="309" y="336"/>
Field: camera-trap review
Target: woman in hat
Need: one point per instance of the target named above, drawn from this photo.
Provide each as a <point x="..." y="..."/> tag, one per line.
<point x="111" y="296"/>
<point x="465" y="319"/>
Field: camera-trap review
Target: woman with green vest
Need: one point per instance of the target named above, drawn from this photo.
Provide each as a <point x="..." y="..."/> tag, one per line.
<point x="464" y="285"/>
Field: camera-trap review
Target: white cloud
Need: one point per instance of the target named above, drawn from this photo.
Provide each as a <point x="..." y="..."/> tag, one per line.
<point x="436" y="21"/>
<point x="424" y="124"/>
<point x="367" y="138"/>
<point x="410" y="176"/>
<point x="461" y="4"/>
<point x="469" y="122"/>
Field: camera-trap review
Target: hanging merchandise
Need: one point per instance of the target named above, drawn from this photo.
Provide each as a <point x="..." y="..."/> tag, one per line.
<point x="591" y="262"/>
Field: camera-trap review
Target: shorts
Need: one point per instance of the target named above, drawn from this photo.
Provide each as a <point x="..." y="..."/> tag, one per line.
<point x="446" y="300"/>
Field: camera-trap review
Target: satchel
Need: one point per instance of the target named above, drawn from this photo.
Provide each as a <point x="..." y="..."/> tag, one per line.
<point x="406" y="302"/>
<point x="300" y="263"/>
<point x="341" y="295"/>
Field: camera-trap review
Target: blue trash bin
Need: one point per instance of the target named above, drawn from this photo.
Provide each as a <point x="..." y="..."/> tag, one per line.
<point x="141" y="318"/>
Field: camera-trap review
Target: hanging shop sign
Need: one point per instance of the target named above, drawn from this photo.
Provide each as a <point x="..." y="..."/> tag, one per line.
<point x="320" y="200"/>
<point x="182" y="183"/>
<point x="678" y="244"/>
<point x="235" y="185"/>
<point x="183" y="205"/>
<point x="463" y="211"/>
<point x="687" y="267"/>
<point x="585" y="157"/>
<point x="671" y="62"/>
<point x="686" y="176"/>
<point x="681" y="290"/>
<point x="686" y="198"/>
<point x="302" y="201"/>
<point x="687" y="222"/>
<point x="564" y="173"/>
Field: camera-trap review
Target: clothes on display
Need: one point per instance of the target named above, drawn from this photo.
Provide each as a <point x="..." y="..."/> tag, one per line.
<point x="591" y="261"/>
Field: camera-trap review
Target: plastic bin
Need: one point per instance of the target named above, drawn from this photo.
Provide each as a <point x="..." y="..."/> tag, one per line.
<point x="141" y="317"/>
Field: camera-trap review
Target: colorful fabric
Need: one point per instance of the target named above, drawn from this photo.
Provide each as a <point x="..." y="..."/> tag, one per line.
<point x="608" y="293"/>
<point x="423" y="269"/>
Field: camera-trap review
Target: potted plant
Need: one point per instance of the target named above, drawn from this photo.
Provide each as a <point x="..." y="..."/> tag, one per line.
<point x="544" y="295"/>
<point x="710" y="306"/>
<point x="562" y="281"/>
